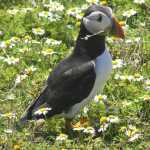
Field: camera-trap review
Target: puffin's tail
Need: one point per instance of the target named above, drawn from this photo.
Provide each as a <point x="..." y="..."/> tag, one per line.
<point x="34" y="106"/>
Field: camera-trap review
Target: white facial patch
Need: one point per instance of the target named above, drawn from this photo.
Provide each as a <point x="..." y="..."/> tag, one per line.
<point x="94" y="25"/>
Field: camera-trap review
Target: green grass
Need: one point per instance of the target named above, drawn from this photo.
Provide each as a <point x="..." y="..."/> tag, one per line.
<point x="129" y="101"/>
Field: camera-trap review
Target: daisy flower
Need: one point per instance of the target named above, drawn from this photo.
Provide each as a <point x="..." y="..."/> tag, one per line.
<point x="13" y="11"/>
<point x="38" y="31"/>
<point x="54" y="6"/>
<point x="139" y="1"/>
<point x="138" y="77"/>
<point x="8" y="131"/>
<point x="43" y="111"/>
<point x="20" y="78"/>
<point x="100" y="98"/>
<point x="128" y="41"/>
<point x="114" y="119"/>
<point x="130" y="78"/>
<point x="85" y="110"/>
<point x="43" y="14"/>
<point x="25" y="10"/>
<point x="137" y="39"/>
<point x="89" y="130"/>
<point x="15" y="40"/>
<point x="124" y="77"/>
<point x="76" y="12"/>
<point x="93" y="1"/>
<point x="24" y="50"/>
<point x="27" y="39"/>
<point x="8" y="115"/>
<point x="30" y="70"/>
<point x="134" y="137"/>
<point x="146" y="98"/>
<point x="103" y="127"/>
<point x="129" y="13"/>
<point x="3" y="45"/>
<point x="48" y="51"/>
<point x="147" y="85"/>
<point x="62" y="137"/>
<point x="52" y="42"/>
<point x="11" y="60"/>
<point x="131" y="131"/>
<point x="118" y="63"/>
<point x="53" y="17"/>
<point x="78" y="128"/>
<point x="123" y="129"/>
<point x="10" y="96"/>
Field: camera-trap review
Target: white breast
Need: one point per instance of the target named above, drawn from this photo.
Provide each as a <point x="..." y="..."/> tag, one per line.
<point x="103" y="67"/>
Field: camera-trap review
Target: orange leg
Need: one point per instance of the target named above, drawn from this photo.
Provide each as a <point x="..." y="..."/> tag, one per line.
<point x="69" y="125"/>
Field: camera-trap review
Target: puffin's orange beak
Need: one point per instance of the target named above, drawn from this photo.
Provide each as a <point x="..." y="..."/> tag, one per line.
<point x="117" y="29"/>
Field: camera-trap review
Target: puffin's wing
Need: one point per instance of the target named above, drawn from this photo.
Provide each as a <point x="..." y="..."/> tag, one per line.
<point x="67" y="89"/>
<point x="69" y="76"/>
<point x="72" y="86"/>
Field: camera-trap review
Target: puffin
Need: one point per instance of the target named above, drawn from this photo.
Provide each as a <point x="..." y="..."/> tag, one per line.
<point x="77" y="79"/>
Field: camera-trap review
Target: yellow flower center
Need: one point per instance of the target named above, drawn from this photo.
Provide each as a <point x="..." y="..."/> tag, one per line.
<point x="38" y="29"/>
<point x="27" y="37"/>
<point x="42" y="109"/>
<point x="146" y="97"/>
<point x="100" y="97"/>
<point x="104" y="2"/>
<point x="8" y="42"/>
<point x="103" y="119"/>
<point x="49" y="50"/>
<point x="16" y="147"/>
<point x="9" y="115"/>
<point x="137" y="75"/>
<point x="114" y="62"/>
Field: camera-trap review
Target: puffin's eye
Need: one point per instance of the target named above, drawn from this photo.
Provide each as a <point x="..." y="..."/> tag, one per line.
<point x="99" y="18"/>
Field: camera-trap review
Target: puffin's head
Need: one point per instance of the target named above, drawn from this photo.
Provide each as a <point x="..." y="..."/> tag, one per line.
<point x="99" y="19"/>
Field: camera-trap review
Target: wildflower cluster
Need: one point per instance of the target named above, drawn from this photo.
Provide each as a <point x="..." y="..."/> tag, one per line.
<point x="131" y="132"/>
<point x="118" y="63"/>
<point x="21" y="10"/>
<point x="61" y="137"/>
<point x="52" y="42"/>
<point x="9" y="115"/>
<point x="129" y="13"/>
<point x="27" y="72"/>
<point x="139" y="1"/>
<point x="10" y="60"/>
<point x="51" y="17"/>
<point x="10" y="43"/>
<point x="54" y="6"/>
<point x="76" y="12"/>
<point x="105" y="122"/>
<point x="136" y="77"/>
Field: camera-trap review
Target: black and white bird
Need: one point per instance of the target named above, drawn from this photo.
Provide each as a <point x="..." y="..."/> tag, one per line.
<point x="78" y="78"/>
